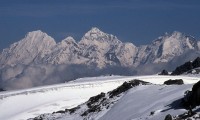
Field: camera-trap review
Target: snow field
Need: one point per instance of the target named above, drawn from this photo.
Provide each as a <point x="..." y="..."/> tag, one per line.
<point x="139" y="102"/>
<point x="28" y="103"/>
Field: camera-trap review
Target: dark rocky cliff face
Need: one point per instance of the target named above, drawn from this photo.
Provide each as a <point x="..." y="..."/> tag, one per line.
<point x="187" y="66"/>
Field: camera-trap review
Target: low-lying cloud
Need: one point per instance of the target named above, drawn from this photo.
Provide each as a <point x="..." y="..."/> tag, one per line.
<point x="26" y="76"/>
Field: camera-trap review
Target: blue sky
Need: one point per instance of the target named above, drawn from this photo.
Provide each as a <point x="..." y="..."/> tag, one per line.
<point x="136" y="21"/>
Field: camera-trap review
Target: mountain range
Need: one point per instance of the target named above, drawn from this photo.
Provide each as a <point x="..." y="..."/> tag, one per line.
<point x="97" y="51"/>
<point x="95" y="48"/>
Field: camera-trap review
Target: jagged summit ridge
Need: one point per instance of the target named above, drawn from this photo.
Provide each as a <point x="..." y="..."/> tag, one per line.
<point x="96" y="34"/>
<point x="68" y="40"/>
<point x="95" y="30"/>
<point x="96" y="48"/>
<point x="168" y="46"/>
<point x="101" y="48"/>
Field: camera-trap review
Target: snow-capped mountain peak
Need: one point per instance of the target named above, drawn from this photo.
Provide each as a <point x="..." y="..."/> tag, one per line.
<point x="38" y="36"/>
<point x="68" y="40"/>
<point x="99" y="47"/>
<point x="36" y="32"/>
<point x="34" y="46"/>
<point x="171" y="45"/>
<point x="176" y="35"/>
<point x="165" y="48"/>
<point x="94" y="32"/>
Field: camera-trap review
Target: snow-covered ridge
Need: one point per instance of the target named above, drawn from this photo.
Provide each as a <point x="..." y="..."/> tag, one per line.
<point x="56" y="97"/>
<point x="95" y="48"/>
<point x="97" y="51"/>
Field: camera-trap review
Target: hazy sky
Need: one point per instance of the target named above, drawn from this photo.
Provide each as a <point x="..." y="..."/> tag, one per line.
<point x="136" y="21"/>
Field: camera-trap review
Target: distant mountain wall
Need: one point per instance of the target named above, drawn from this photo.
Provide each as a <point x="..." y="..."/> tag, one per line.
<point x="38" y="60"/>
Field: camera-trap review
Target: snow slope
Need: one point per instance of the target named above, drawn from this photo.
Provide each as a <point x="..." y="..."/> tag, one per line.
<point x="28" y="103"/>
<point x="143" y="102"/>
<point x="151" y="102"/>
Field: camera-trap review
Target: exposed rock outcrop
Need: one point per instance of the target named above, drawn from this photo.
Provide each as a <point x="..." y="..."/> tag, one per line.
<point x="174" y="82"/>
<point x="187" y="67"/>
<point x="164" y="72"/>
